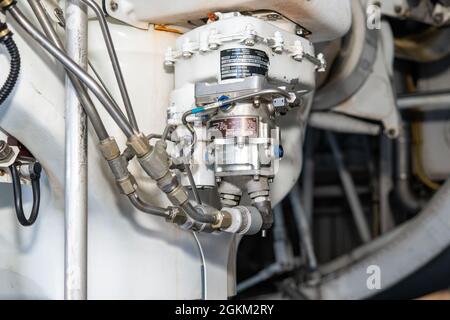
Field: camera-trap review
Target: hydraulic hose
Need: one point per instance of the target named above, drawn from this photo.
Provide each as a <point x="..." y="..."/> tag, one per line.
<point x="141" y="205"/>
<point x="83" y="95"/>
<point x="14" y="71"/>
<point x="114" y="60"/>
<point x="197" y="216"/>
<point x="109" y="104"/>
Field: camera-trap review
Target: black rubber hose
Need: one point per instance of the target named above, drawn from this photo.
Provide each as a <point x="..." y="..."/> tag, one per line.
<point x="35" y="182"/>
<point x="14" y="71"/>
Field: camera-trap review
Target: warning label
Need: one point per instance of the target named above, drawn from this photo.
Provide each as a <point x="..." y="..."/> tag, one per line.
<point x="243" y="62"/>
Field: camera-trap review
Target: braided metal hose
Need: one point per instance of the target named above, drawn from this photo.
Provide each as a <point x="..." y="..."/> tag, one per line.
<point x="14" y="71"/>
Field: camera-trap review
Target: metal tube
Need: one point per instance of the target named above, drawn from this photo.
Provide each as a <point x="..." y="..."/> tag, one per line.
<point x="189" y="209"/>
<point x="303" y="227"/>
<point x="308" y="177"/>
<point x="261" y="276"/>
<point x="284" y="256"/>
<point x="385" y="184"/>
<point x="216" y="105"/>
<point x="75" y="286"/>
<point x="438" y="99"/>
<point x="197" y="198"/>
<point x="141" y="205"/>
<point x="83" y="95"/>
<point x="100" y="79"/>
<point x="114" y="60"/>
<point x="282" y="247"/>
<point x="73" y="67"/>
<point x="403" y="189"/>
<point x="350" y="191"/>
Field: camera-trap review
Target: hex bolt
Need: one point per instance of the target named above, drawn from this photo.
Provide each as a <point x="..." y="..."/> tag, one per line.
<point x="249" y="42"/>
<point x="438" y="18"/>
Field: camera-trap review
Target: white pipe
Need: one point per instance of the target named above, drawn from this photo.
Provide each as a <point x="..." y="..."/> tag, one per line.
<point x="75" y="268"/>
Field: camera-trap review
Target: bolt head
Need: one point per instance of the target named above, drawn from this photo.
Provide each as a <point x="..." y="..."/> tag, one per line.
<point x="169" y="63"/>
<point x="213" y="46"/>
<point x="114" y="6"/>
<point x="187" y="54"/>
<point x="278" y="49"/>
<point x="298" y="57"/>
<point x="249" y="42"/>
<point x="438" y="18"/>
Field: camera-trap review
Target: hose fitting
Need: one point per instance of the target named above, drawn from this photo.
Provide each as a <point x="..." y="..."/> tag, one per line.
<point x="4" y="31"/>
<point x="118" y="165"/>
<point x="109" y="148"/>
<point x="139" y="144"/>
<point x="5" y="4"/>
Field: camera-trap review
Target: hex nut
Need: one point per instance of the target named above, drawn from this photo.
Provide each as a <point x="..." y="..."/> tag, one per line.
<point x="178" y="196"/>
<point x="109" y="148"/>
<point x="127" y="185"/>
<point x="223" y="220"/>
<point x="139" y="143"/>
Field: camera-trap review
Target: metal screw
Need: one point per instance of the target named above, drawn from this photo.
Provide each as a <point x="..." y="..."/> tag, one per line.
<point x="114" y="5"/>
<point x="398" y="9"/>
<point x="249" y="42"/>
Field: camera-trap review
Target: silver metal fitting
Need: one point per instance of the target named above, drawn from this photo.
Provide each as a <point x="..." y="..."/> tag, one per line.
<point x="156" y="162"/>
<point x="223" y="220"/>
<point x="176" y="216"/>
<point x="140" y="144"/>
<point x="109" y="148"/>
<point x="178" y="196"/>
<point x="244" y="220"/>
<point x="127" y="185"/>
